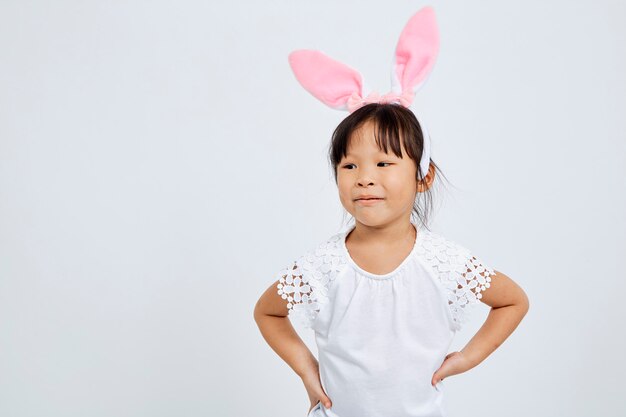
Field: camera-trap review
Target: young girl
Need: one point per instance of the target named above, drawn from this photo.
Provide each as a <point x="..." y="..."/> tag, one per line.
<point x="386" y="296"/>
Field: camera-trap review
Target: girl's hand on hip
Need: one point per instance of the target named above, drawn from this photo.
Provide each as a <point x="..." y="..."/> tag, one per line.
<point x="454" y="363"/>
<point x="315" y="390"/>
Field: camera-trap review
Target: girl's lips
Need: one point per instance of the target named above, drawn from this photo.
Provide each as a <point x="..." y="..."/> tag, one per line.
<point x="370" y="202"/>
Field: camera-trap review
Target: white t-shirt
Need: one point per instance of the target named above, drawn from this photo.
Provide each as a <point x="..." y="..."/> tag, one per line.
<point x="380" y="338"/>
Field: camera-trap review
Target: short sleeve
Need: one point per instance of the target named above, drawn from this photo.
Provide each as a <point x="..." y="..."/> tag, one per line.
<point x="295" y="286"/>
<point x="477" y="277"/>
<point x="463" y="275"/>
<point x="305" y="283"/>
<point x="473" y="279"/>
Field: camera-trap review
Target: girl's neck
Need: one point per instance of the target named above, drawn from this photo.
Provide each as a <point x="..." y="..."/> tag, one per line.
<point x="395" y="233"/>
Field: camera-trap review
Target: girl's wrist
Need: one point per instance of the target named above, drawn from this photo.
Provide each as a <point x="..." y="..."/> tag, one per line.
<point x="312" y="369"/>
<point x="471" y="362"/>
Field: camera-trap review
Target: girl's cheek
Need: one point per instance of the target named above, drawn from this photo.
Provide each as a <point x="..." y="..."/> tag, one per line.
<point x="345" y="200"/>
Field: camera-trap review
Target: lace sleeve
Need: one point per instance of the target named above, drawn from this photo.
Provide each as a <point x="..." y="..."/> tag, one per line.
<point x="305" y="283"/>
<point x="477" y="276"/>
<point x="295" y="287"/>
<point x="473" y="279"/>
<point x="464" y="277"/>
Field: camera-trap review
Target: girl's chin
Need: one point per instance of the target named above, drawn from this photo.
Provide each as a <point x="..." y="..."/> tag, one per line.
<point x="371" y="216"/>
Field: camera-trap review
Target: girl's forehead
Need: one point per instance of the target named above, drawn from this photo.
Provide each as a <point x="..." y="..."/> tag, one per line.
<point x="363" y="141"/>
<point x="364" y="147"/>
<point x="367" y="128"/>
<point x="363" y="137"/>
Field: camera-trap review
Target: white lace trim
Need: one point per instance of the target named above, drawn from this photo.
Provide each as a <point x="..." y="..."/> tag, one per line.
<point x="463" y="275"/>
<point x="305" y="282"/>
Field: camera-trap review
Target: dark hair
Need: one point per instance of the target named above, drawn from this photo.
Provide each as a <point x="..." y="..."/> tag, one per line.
<point x="393" y="123"/>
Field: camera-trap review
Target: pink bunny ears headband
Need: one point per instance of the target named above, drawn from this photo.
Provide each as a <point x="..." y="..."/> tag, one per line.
<point x="342" y="88"/>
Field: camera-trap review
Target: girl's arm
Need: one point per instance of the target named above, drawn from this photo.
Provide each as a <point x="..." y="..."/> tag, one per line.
<point x="271" y="315"/>
<point x="509" y="304"/>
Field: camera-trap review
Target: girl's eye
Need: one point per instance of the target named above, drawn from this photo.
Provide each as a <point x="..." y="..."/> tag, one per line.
<point x="348" y="165"/>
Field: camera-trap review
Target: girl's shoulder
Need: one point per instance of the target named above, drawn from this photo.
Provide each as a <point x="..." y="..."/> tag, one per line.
<point x="463" y="275"/>
<point x="436" y="247"/>
<point x="327" y="255"/>
<point x="304" y="282"/>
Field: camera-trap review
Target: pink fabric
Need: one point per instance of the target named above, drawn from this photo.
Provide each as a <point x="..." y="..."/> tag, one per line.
<point x="355" y="101"/>
<point x="341" y="87"/>
<point x="417" y="49"/>
<point x="328" y="80"/>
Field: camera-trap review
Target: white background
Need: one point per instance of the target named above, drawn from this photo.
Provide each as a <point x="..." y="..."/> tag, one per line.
<point x="159" y="164"/>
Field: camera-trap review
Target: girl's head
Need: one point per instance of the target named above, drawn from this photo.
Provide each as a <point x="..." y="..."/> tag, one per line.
<point x="376" y="151"/>
<point x="377" y="130"/>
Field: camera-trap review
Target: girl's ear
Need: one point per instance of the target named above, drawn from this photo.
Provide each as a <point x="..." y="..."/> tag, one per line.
<point x="427" y="182"/>
<point x="416" y="52"/>
<point x="327" y="80"/>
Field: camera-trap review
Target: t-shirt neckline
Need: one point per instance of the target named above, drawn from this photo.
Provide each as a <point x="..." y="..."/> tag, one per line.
<point x="418" y="235"/>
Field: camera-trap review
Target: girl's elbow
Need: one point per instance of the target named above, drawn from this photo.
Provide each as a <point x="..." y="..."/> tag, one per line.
<point x="257" y="311"/>
<point x="524" y="303"/>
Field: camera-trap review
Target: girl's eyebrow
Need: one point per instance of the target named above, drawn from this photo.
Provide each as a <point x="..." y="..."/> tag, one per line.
<point x="380" y="152"/>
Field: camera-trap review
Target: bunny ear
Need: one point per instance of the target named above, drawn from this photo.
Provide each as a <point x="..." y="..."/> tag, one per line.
<point x="416" y="52"/>
<point x="328" y="80"/>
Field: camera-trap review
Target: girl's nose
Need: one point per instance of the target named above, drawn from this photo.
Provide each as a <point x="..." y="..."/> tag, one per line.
<point x="366" y="176"/>
<point x="362" y="182"/>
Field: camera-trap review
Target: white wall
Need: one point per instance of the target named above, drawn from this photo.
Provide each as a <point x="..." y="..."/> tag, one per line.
<point x="159" y="163"/>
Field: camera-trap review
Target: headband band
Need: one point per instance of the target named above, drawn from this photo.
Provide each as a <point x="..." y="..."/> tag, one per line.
<point x="342" y="88"/>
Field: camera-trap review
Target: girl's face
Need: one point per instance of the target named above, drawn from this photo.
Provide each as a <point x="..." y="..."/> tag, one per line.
<point x="367" y="170"/>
